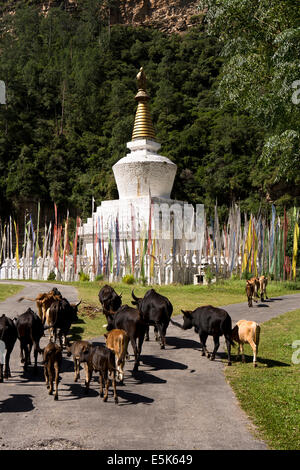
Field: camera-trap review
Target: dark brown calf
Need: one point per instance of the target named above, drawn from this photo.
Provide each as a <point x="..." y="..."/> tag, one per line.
<point x="102" y="360"/>
<point x="52" y="363"/>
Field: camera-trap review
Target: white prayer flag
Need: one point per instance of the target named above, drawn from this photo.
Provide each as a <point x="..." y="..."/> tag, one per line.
<point x="2" y="92"/>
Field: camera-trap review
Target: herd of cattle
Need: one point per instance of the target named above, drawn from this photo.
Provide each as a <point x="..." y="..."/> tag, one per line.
<point x="124" y="324"/>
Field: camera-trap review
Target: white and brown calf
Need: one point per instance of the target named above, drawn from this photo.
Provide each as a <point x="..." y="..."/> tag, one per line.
<point x="247" y="332"/>
<point x="117" y="340"/>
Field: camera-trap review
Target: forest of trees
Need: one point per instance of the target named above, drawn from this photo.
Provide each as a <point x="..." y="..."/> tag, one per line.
<point x="70" y="80"/>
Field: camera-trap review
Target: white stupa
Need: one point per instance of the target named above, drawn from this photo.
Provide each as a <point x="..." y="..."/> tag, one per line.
<point x="144" y="179"/>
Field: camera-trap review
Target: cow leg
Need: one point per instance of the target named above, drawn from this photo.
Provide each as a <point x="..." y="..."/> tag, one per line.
<point x="56" y="368"/>
<point x="50" y="374"/>
<point x="46" y="375"/>
<point x="147" y="338"/>
<point x="156" y="333"/>
<point x="1" y="373"/>
<point x="76" y="369"/>
<point x="140" y="342"/>
<point x="228" y="346"/>
<point x="22" y="353"/>
<point x="27" y="357"/>
<point x="135" y="351"/>
<point x="29" y="354"/>
<point x="254" y="349"/>
<point x="162" y="338"/>
<point x="203" y="338"/>
<point x="115" y="387"/>
<point x="35" y="360"/>
<point x="88" y="376"/>
<point x="101" y="384"/>
<point x="7" y="373"/>
<point x="216" y="347"/>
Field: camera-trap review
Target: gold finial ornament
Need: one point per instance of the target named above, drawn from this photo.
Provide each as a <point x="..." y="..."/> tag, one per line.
<point x="143" y="127"/>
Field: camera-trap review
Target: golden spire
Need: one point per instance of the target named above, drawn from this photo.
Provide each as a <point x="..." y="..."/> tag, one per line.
<point x="143" y="127"/>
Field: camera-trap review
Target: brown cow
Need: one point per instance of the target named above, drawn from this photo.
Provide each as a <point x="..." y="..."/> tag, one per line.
<point x="250" y="293"/>
<point x="117" y="340"/>
<point x="247" y="332"/>
<point x="44" y="301"/>
<point x="255" y="282"/>
<point x="52" y="363"/>
<point x="263" y="282"/>
<point x="75" y="349"/>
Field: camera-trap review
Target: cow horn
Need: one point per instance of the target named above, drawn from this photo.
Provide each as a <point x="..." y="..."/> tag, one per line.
<point x="133" y="296"/>
<point x="79" y="303"/>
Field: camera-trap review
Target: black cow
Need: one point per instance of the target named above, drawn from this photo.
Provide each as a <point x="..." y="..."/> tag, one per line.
<point x="60" y="316"/>
<point x="209" y="320"/>
<point x="30" y="330"/>
<point x="129" y="319"/>
<point x="8" y="334"/>
<point x="109" y="299"/>
<point x="102" y="360"/>
<point x="155" y="310"/>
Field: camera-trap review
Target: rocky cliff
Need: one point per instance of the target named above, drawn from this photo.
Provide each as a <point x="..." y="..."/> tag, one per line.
<point x="167" y="15"/>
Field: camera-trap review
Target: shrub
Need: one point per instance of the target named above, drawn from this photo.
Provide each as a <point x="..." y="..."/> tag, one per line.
<point x="83" y="276"/>
<point x="128" y="279"/>
<point x="51" y="276"/>
<point x="209" y="275"/>
<point x="99" y="277"/>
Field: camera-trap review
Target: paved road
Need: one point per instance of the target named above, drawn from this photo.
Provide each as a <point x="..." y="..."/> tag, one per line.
<point x="178" y="399"/>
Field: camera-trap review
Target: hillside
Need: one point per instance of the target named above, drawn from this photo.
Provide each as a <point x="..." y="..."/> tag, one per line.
<point x="70" y="75"/>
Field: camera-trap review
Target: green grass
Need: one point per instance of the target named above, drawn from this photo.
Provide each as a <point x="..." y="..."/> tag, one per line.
<point x="7" y="290"/>
<point x="186" y="297"/>
<point x="270" y="393"/>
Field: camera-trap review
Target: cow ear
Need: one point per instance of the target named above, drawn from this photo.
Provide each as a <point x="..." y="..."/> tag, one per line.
<point x="106" y="335"/>
<point x="186" y="313"/>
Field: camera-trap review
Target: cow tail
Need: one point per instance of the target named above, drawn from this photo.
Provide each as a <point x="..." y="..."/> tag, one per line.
<point x="257" y="334"/>
<point x="227" y="328"/>
<point x="123" y="343"/>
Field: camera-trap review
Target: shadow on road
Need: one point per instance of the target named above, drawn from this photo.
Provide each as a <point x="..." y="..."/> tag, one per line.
<point x="141" y="377"/>
<point x="17" y="404"/>
<point x="133" y="398"/>
<point x="181" y="343"/>
<point x="159" y="363"/>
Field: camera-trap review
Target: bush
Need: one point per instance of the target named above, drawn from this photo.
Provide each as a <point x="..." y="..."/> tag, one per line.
<point x="209" y="275"/>
<point x="83" y="276"/>
<point x="51" y="276"/>
<point x="128" y="279"/>
<point x="99" y="277"/>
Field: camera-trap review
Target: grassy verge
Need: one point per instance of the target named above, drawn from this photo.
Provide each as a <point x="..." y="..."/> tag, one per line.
<point x="186" y="297"/>
<point x="7" y="290"/>
<point x="270" y="393"/>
